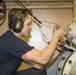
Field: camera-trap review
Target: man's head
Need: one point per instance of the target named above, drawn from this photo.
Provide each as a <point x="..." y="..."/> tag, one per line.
<point x="16" y="18"/>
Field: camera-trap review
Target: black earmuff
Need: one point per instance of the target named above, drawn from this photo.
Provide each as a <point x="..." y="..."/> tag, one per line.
<point x="16" y="22"/>
<point x="17" y="25"/>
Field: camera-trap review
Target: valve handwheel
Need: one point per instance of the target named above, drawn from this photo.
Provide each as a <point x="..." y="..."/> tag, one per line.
<point x="2" y="9"/>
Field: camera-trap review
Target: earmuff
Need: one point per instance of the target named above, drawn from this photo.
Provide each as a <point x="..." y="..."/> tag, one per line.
<point x="16" y="22"/>
<point x="17" y="25"/>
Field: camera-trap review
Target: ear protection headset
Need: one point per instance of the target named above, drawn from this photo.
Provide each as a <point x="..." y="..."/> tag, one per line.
<point x="16" y="22"/>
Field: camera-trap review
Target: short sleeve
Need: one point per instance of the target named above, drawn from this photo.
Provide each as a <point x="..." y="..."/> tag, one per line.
<point x="18" y="47"/>
<point x="13" y="46"/>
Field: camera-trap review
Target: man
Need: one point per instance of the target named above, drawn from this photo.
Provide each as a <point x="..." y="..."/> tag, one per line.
<point x="13" y="50"/>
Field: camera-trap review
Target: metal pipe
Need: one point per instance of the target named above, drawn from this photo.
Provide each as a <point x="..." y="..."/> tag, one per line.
<point x="43" y="0"/>
<point x="44" y="7"/>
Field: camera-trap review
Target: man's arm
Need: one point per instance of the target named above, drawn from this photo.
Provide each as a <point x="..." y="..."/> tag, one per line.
<point x="42" y="58"/>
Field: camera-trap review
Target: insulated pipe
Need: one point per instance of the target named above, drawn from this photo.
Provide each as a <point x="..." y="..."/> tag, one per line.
<point x="44" y="7"/>
<point x="74" y="7"/>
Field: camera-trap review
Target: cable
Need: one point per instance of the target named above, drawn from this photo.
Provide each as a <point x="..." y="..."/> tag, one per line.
<point x="19" y="3"/>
